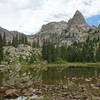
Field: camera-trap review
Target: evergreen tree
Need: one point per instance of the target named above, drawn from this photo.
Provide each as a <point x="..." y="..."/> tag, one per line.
<point x="33" y="44"/>
<point x="38" y="45"/>
<point x="15" y="41"/>
<point x="9" y="43"/>
<point x="25" y="40"/>
<point x="44" y="51"/>
<point x="97" y="57"/>
<point x="4" y="39"/>
<point x="90" y="54"/>
<point x="1" y="49"/>
<point x="63" y="52"/>
<point x="49" y="52"/>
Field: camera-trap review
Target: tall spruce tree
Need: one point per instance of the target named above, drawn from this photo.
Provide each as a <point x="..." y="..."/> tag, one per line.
<point x="49" y="52"/>
<point x="1" y="49"/>
<point x="25" y="40"/>
<point x="97" y="57"/>
<point x="44" y="50"/>
<point x="15" y="41"/>
<point x="4" y="39"/>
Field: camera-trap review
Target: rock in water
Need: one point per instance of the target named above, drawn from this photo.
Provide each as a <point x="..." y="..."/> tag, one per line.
<point x="13" y="93"/>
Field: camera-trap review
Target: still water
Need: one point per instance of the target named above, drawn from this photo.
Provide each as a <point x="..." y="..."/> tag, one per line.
<point x="55" y="75"/>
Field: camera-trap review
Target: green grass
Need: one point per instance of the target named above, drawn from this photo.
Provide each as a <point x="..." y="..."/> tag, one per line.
<point x="63" y="65"/>
<point x="85" y="64"/>
<point x="67" y="64"/>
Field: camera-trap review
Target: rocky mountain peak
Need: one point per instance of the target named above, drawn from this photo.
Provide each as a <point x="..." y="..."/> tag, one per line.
<point x="78" y="19"/>
<point x="99" y="26"/>
<point x="54" y="27"/>
<point x="94" y="27"/>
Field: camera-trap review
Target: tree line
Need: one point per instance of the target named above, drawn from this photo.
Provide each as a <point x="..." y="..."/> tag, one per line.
<point x="22" y="39"/>
<point x="89" y="51"/>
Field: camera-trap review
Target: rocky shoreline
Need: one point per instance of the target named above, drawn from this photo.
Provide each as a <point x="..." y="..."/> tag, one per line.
<point x="25" y="88"/>
<point x="18" y="81"/>
<point x="84" y="91"/>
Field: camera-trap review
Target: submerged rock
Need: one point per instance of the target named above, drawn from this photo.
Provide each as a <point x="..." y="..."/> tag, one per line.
<point x="3" y="89"/>
<point x="28" y="93"/>
<point x="12" y="93"/>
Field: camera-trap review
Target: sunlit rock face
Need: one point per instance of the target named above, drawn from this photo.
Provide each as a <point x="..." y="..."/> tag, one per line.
<point x="9" y="34"/>
<point x="99" y="26"/>
<point x="64" y="32"/>
<point x="77" y="19"/>
<point x="78" y="23"/>
<point x="54" y="27"/>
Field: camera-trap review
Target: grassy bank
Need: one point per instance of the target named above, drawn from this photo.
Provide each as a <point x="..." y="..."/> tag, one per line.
<point x="68" y="64"/>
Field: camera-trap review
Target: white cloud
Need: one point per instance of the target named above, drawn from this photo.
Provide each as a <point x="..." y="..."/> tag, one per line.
<point x="29" y="15"/>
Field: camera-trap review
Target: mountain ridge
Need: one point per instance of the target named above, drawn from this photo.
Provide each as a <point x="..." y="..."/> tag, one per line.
<point x="60" y="33"/>
<point x="65" y="33"/>
<point x="9" y="34"/>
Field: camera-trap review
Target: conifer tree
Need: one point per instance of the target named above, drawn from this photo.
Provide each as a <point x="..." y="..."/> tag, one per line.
<point x="15" y="41"/>
<point x="1" y="49"/>
<point x="4" y="39"/>
<point x="97" y="57"/>
<point x="49" y="52"/>
<point x="44" y="50"/>
<point x="25" y="40"/>
<point x="9" y="43"/>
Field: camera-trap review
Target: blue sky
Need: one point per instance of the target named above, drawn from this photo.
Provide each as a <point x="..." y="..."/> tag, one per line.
<point x="28" y="16"/>
<point x="94" y="20"/>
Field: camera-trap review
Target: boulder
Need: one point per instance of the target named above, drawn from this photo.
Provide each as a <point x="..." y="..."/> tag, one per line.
<point x="13" y="93"/>
<point x="28" y="93"/>
<point x="2" y="90"/>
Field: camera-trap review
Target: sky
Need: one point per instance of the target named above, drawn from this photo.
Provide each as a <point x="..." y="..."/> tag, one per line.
<point x="93" y="20"/>
<point x="28" y="16"/>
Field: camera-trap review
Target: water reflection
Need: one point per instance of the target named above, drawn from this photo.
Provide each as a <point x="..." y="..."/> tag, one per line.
<point x="1" y="78"/>
<point x="1" y="81"/>
<point x="56" y="75"/>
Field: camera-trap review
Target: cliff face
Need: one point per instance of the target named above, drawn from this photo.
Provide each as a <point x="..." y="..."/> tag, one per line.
<point x="9" y="34"/>
<point x="65" y="33"/>
<point x="77" y="19"/>
<point x="54" y="27"/>
<point x="51" y="32"/>
<point x="78" y="22"/>
<point x="99" y="27"/>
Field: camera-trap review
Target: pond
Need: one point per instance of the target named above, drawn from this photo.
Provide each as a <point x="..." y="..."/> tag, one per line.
<point x="3" y="77"/>
<point x="55" y="75"/>
<point x="1" y="83"/>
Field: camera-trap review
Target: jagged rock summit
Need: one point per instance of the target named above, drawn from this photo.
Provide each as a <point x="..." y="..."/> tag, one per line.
<point x="77" y="19"/>
<point x="99" y="26"/>
<point x="57" y="27"/>
<point x="78" y="24"/>
<point x="54" y="27"/>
